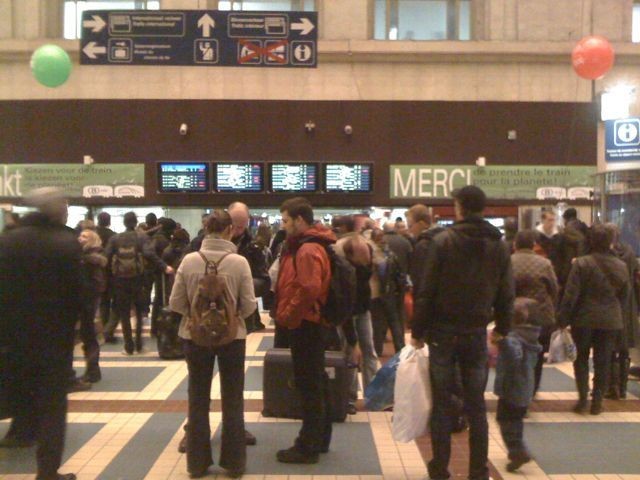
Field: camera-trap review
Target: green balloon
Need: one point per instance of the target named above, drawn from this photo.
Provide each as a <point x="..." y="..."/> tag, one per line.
<point x="50" y="65"/>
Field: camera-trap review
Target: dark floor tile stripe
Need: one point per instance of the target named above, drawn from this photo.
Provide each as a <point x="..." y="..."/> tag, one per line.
<point x="138" y="456"/>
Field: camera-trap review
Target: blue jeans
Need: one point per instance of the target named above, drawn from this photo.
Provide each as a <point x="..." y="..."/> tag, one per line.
<point x="364" y="330"/>
<point x="469" y="353"/>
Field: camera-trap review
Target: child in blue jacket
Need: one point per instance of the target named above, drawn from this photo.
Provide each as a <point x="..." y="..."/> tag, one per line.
<point x="515" y="378"/>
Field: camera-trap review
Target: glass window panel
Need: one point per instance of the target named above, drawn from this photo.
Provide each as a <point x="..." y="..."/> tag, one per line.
<point x="464" y="21"/>
<point x="422" y="20"/>
<point x="380" y="20"/>
<point x="267" y="5"/>
<point x="635" y="30"/>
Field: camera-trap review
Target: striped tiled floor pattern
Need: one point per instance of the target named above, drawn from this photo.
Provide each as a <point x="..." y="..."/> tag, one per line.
<point x="129" y="425"/>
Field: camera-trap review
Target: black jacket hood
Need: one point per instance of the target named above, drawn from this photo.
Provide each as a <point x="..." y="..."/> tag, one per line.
<point x="476" y="228"/>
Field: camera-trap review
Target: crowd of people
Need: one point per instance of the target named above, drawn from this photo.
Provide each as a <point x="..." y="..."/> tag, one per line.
<point x="529" y="283"/>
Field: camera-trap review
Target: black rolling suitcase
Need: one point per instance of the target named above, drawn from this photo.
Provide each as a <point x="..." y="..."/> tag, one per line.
<point x="280" y="397"/>
<point x="169" y="343"/>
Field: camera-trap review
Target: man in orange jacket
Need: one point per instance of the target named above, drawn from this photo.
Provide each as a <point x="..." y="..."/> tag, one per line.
<point x="303" y="286"/>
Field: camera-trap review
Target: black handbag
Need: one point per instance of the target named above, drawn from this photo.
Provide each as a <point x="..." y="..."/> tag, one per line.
<point x="4" y="383"/>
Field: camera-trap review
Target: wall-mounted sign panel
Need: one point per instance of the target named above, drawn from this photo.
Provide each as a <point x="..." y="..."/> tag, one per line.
<point x="542" y="182"/>
<point x="208" y="38"/>
<point x="622" y="140"/>
<point x="97" y="180"/>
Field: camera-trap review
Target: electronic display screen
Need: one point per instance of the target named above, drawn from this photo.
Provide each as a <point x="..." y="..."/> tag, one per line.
<point x="183" y="177"/>
<point x="348" y="177"/>
<point x="239" y="177"/>
<point x="294" y="177"/>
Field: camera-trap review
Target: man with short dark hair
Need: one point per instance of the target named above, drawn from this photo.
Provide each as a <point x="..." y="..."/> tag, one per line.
<point x="303" y="287"/>
<point x="103" y="230"/>
<point x="423" y="232"/>
<point x="106" y="299"/>
<point x="40" y="300"/>
<point x="466" y="283"/>
<point x="125" y="253"/>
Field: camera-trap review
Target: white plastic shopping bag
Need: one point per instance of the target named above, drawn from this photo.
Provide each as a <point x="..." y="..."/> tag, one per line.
<point x="412" y="395"/>
<point x="561" y="347"/>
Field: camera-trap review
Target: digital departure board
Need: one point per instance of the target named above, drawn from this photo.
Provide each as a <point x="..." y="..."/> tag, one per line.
<point x="294" y="177"/>
<point x="348" y="177"/>
<point x="183" y="177"/>
<point x="239" y="177"/>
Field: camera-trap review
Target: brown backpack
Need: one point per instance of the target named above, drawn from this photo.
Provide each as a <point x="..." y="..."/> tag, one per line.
<point x="213" y="318"/>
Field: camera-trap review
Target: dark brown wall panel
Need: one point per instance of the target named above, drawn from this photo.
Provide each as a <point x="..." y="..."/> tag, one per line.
<point x="383" y="132"/>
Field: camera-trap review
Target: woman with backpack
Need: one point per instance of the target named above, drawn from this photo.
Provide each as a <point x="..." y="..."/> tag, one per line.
<point x="219" y="276"/>
<point x="94" y="265"/>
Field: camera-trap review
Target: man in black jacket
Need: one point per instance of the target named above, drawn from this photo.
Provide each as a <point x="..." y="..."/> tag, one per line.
<point x="466" y="282"/>
<point x="160" y="241"/>
<point x="255" y="256"/>
<point x="40" y="300"/>
<point x="423" y="232"/>
<point x="125" y="253"/>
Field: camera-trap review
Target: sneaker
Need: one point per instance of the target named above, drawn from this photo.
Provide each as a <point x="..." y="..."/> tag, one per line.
<point x="78" y="385"/>
<point x="351" y="409"/>
<point x="293" y="455"/>
<point x="596" y="408"/>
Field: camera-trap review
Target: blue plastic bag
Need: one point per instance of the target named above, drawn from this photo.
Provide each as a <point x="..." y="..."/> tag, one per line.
<point x="379" y="393"/>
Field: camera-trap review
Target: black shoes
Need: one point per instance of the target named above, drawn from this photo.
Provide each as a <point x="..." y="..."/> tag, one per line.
<point x="351" y="409"/>
<point x="93" y="377"/>
<point x="580" y="407"/>
<point x="596" y="407"/>
<point x="250" y="438"/>
<point x="517" y="461"/>
<point x="59" y="476"/>
<point x="78" y="385"/>
<point x="293" y="455"/>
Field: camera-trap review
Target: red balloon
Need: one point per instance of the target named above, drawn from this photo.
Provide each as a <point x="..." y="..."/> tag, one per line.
<point x="592" y="57"/>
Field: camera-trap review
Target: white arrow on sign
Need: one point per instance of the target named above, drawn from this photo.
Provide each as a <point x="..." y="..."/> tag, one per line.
<point x="305" y="26"/>
<point x="91" y="49"/>
<point x="97" y="24"/>
<point x="206" y="23"/>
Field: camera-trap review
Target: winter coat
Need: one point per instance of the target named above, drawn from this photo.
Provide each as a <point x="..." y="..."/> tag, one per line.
<point x="419" y="255"/>
<point x="144" y="246"/>
<point x="534" y="278"/>
<point x="304" y="277"/>
<point x="402" y="249"/>
<point x="105" y="234"/>
<point x="594" y="298"/>
<point x="94" y="267"/>
<point x="571" y="243"/>
<point x="517" y="359"/>
<point x="630" y="329"/>
<point x="238" y="276"/>
<point x="466" y="281"/>
<point x="40" y="286"/>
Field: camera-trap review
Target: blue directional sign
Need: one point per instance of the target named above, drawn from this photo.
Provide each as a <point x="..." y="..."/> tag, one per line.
<point x="622" y="140"/>
<point x="199" y="38"/>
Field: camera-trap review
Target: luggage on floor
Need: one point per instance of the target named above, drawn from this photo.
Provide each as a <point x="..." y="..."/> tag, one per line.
<point x="280" y="397"/>
<point x="169" y="343"/>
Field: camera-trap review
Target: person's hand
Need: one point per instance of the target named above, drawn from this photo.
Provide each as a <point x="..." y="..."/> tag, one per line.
<point x="417" y="343"/>
<point x="169" y="270"/>
<point x="495" y="337"/>
<point x="356" y="355"/>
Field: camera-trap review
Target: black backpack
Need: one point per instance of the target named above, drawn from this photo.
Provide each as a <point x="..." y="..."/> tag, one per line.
<point x="391" y="277"/>
<point x="127" y="259"/>
<point x="342" y="294"/>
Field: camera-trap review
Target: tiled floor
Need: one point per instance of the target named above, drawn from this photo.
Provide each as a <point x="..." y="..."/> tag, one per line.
<point x="129" y="425"/>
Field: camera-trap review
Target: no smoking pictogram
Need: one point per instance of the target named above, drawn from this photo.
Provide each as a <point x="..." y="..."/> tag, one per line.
<point x="253" y="51"/>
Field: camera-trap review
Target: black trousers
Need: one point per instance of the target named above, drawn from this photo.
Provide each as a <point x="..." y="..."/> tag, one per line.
<point x="90" y="345"/>
<point x="385" y="314"/>
<point x="602" y="342"/>
<point x="158" y="301"/>
<point x="311" y="380"/>
<point x="127" y="292"/>
<point x="200" y="361"/>
<point x="38" y="395"/>
<point x="545" y="340"/>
